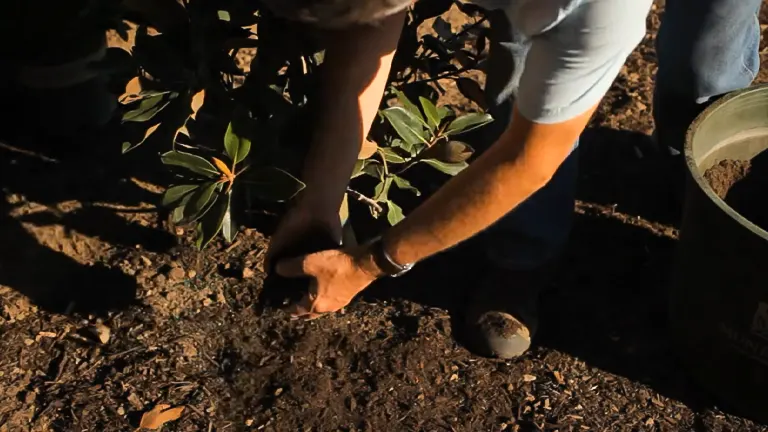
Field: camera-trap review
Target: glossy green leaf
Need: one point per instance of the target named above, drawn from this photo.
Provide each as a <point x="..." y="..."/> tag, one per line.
<point x="391" y="156"/>
<point x="410" y="107"/>
<point x="468" y="122"/>
<point x="404" y="184"/>
<point x="211" y="223"/>
<point x="381" y="191"/>
<point x="191" y="162"/>
<point x="453" y="152"/>
<point x="237" y="147"/>
<point x="394" y="213"/>
<point x="430" y="110"/>
<point x="374" y="169"/>
<point x="200" y="202"/>
<point x="443" y="112"/>
<point x="173" y="195"/>
<point x="272" y="184"/>
<point x="447" y="168"/>
<point x="223" y="15"/>
<point x="410" y="129"/>
<point x="148" y="108"/>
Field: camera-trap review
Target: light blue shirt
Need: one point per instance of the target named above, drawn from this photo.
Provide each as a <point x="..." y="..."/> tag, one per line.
<point x="577" y="49"/>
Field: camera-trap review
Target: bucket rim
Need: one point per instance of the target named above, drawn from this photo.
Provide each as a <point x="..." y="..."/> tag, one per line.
<point x="693" y="169"/>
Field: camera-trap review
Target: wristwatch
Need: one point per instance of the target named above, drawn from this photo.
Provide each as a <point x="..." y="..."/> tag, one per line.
<point x="385" y="262"/>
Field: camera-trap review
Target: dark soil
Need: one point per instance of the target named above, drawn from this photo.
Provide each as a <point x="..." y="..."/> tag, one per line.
<point x="84" y="247"/>
<point x="741" y="184"/>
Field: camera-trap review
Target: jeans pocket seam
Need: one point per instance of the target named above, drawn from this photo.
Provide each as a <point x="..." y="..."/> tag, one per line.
<point x="752" y="74"/>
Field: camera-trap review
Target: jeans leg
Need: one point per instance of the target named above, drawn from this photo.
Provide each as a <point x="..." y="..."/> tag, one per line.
<point x="705" y="48"/>
<point x="537" y="229"/>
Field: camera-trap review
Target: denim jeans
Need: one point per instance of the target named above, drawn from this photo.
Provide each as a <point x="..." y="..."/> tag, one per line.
<point x="705" y="48"/>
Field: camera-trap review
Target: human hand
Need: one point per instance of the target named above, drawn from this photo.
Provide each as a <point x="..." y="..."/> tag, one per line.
<point x="336" y="277"/>
<point x="299" y="229"/>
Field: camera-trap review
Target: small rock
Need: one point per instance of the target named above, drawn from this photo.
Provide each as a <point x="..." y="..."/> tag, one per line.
<point x="177" y="274"/>
<point x="159" y="280"/>
<point x="135" y="402"/>
<point x="29" y="342"/>
<point x="529" y="378"/>
<point x="248" y="273"/>
<point x="102" y="332"/>
<point x="121" y="411"/>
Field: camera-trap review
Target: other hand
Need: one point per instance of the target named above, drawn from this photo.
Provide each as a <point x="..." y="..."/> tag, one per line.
<point x="300" y="227"/>
<point x="337" y="276"/>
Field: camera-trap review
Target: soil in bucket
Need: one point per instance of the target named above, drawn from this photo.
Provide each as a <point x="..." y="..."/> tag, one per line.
<point x="743" y="185"/>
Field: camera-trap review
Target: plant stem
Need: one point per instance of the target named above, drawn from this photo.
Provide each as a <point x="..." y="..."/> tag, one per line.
<point x="362" y="198"/>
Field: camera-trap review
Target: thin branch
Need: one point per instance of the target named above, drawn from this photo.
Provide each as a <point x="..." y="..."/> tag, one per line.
<point x="362" y="198"/>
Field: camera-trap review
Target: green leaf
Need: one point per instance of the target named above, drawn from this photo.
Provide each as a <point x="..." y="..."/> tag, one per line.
<point x="405" y="124"/>
<point x="394" y="213"/>
<point x="453" y="151"/>
<point x="410" y="106"/>
<point x="211" y="223"/>
<point x="468" y="122"/>
<point x="273" y="184"/>
<point x="390" y="156"/>
<point x="443" y="112"/>
<point x="191" y="162"/>
<point x="398" y="143"/>
<point x="382" y="190"/>
<point x="430" y="110"/>
<point x="237" y="147"/>
<point x="200" y="202"/>
<point x="447" y="168"/>
<point x="175" y="194"/>
<point x="404" y="184"/>
<point x="374" y="169"/>
<point x="228" y="227"/>
<point x="223" y="15"/>
<point x="148" y="108"/>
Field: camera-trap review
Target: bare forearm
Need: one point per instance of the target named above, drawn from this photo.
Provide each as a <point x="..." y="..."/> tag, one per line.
<point x="357" y="66"/>
<point x="523" y="161"/>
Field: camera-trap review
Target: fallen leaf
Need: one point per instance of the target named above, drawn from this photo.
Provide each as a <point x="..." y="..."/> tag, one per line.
<point x="529" y="378"/>
<point x="559" y="377"/>
<point x="160" y="415"/>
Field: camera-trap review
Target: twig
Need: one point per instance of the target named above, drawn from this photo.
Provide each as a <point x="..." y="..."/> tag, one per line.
<point x="362" y="198"/>
<point x="42" y="157"/>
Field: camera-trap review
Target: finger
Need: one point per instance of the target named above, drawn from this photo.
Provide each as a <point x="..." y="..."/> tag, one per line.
<point x="291" y="267"/>
<point x="302" y="308"/>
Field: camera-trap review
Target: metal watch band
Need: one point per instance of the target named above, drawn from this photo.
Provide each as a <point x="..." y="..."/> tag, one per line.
<point x="385" y="261"/>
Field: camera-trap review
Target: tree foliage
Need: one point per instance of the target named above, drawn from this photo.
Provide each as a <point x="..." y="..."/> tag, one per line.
<point x="224" y="90"/>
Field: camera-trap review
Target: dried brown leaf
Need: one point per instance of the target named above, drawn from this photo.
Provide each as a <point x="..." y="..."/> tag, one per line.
<point x="197" y="101"/>
<point x="132" y="89"/>
<point x="160" y="415"/>
<point x="367" y="150"/>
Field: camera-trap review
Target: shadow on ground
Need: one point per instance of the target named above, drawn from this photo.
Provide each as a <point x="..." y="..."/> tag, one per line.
<point x="607" y="305"/>
<point x="57" y="217"/>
